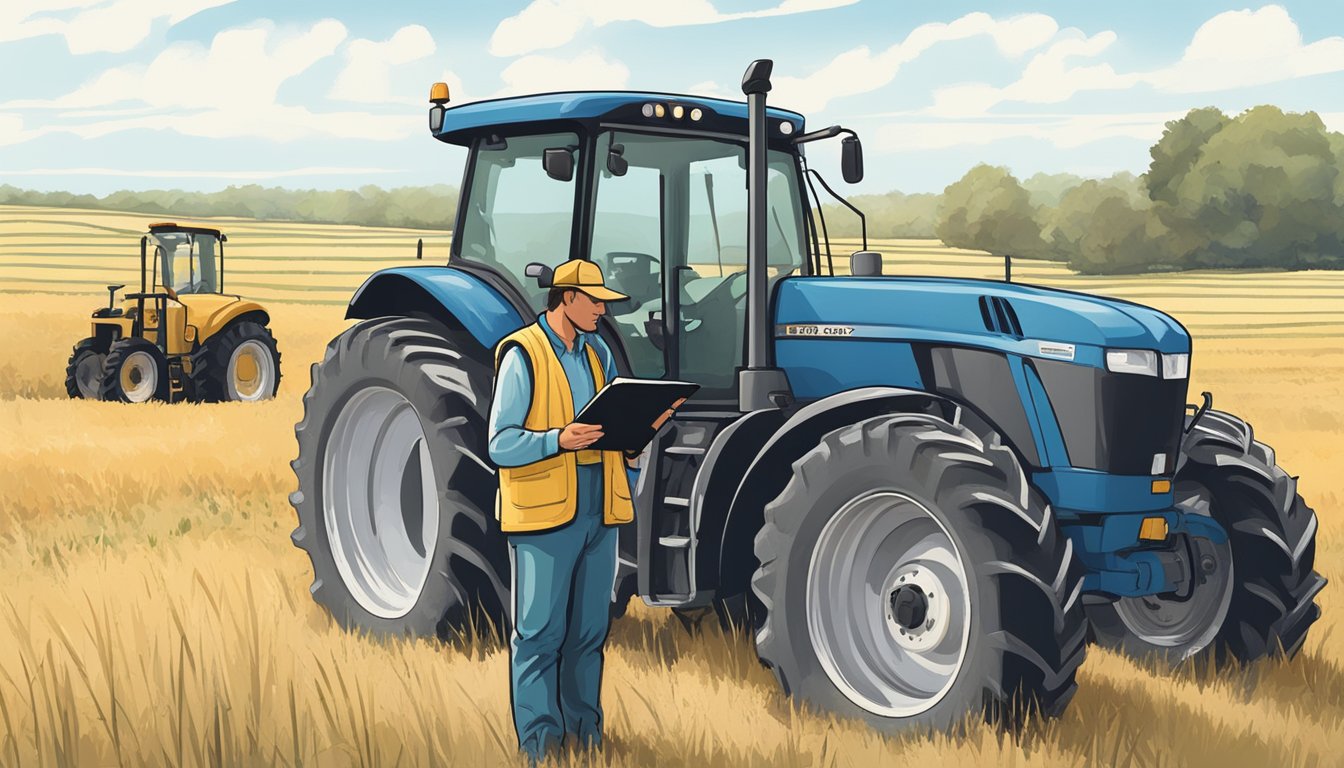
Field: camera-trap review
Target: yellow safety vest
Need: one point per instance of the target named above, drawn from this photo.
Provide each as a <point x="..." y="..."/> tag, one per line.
<point x="544" y="494"/>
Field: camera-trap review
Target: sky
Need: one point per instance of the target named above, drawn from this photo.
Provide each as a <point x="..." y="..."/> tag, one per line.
<point x="100" y="95"/>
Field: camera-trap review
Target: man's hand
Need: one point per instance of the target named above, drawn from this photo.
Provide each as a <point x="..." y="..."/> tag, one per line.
<point x="658" y="422"/>
<point x="576" y="436"/>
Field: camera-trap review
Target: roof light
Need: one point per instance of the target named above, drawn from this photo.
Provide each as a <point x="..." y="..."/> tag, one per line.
<point x="696" y="114"/>
<point x="786" y="127"/>
<point x="438" y="93"/>
<point x="658" y="110"/>
<point x="648" y="110"/>
<point x="678" y="111"/>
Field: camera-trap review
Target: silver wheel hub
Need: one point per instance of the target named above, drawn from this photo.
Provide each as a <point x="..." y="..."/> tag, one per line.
<point x="888" y="604"/>
<point x="918" y="610"/>
<point x="139" y="376"/>
<point x="380" y="501"/>
<point x="251" y="374"/>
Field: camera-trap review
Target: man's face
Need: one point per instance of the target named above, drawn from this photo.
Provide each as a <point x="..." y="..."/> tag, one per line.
<point x="583" y="310"/>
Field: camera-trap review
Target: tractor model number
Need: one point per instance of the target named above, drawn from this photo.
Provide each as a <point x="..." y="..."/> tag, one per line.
<point x="818" y="330"/>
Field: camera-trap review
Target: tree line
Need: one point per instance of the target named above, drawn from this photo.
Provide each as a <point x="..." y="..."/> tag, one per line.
<point x="1263" y="189"/>
<point x="432" y="207"/>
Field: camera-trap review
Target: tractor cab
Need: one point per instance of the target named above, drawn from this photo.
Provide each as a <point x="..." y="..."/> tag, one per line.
<point x="652" y="188"/>
<point x="187" y="260"/>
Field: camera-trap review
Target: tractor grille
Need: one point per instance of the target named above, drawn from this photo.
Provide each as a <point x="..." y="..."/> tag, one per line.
<point x="1115" y="422"/>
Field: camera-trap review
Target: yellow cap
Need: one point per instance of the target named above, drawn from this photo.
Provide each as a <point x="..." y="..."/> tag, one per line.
<point x="584" y="276"/>
<point x="438" y="93"/>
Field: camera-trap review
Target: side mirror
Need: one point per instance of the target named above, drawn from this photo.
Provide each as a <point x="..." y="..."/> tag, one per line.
<point x="436" y="118"/>
<point x="540" y="271"/>
<point x="851" y="159"/>
<point x="865" y="264"/>
<point x="559" y="163"/>
<point x="616" y="162"/>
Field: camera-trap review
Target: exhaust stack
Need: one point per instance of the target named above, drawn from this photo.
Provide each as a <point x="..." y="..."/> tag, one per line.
<point x="760" y="386"/>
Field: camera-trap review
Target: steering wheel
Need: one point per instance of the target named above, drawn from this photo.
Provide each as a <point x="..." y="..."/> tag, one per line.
<point x="635" y="274"/>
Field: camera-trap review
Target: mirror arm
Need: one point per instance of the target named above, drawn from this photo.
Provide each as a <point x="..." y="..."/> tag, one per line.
<point x="863" y="222"/>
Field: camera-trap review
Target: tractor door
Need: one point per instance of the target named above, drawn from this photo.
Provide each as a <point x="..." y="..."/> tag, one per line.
<point x="669" y="229"/>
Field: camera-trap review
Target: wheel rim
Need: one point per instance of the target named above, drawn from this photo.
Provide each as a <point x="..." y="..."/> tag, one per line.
<point x="89" y="374"/>
<point x="882" y="562"/>
<point x="251" y="371"/>
<point x="139" y="377"/>
<point x="380" y="502"/>
<point x="1186" y="626"/>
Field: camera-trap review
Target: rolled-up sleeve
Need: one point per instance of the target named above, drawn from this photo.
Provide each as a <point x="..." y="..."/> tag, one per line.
<point x="510" y="444"/>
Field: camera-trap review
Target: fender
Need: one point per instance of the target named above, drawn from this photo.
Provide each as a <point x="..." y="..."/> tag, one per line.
<point x="454" y="297"/>
<point x="242" y="309"/>
<point x="768" y="473"/>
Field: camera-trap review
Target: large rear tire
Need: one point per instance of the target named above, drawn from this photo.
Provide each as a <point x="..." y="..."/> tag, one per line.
<point x="396" y="498"/>
<point x="84" y="371"/>
<point x="240" y="363"/>
<point x="1256" y="597"/>
<point x="910" y="575"/>
<point x="135" y="371"/>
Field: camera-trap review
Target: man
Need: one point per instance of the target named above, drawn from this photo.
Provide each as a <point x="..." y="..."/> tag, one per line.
<point x="558" y="503"/>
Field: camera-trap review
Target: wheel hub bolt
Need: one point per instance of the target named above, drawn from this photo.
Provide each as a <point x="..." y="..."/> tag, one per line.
<point x="909" y="606"/>
<point x="1208" y="564"/>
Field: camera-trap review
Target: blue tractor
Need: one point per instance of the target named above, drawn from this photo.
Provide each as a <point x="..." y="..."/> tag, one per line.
<point x="925" y="497"/>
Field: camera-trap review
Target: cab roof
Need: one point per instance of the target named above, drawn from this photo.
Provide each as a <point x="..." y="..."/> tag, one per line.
<point x="168" y="226"/>
<point x="465" y="121"/>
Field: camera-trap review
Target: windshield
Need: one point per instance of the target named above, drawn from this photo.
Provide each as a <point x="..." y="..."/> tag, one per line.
<point x="675" y="208"/>
<point x="188" y="261"/>
<point x="515" y="213"/>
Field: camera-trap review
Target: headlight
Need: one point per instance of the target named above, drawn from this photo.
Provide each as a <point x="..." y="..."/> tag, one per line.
<point x="1141" y="361"/>
<point x="1175" y="366"/>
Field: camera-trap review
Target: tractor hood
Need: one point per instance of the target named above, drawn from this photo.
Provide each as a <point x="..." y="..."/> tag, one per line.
<point x="1022" y="319"/>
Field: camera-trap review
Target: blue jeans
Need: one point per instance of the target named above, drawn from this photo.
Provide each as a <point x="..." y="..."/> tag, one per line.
<point x="562" y="582"/>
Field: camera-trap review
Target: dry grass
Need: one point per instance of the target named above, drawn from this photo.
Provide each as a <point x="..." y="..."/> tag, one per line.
<point x="154" y="612"/>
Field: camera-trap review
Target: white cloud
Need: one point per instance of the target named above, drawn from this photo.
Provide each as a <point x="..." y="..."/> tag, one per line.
<point x="242" y="69"/>
<point x="367" y="76"/>
<point x="539" y="74"/>
<point x="1232" y="50"/>
<point x="1047" y="79"/>
<point x="1063" y="131"/>
<point x="227" y="90"/>
<point x="12" y="130"/>
<point x="860" y="70"/>
<point x="1242" y="48"/>
<point x="547" y="24"/>
<point x="113" y="26"/>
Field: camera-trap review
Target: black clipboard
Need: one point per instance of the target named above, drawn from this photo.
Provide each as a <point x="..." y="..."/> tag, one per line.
<point x="627" y="408"/>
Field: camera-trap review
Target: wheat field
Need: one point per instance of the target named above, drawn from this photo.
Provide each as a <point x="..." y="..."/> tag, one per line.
<point x="155" y="613"/>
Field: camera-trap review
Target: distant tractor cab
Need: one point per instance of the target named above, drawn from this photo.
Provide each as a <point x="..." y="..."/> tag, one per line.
<point x="181" y="337"/>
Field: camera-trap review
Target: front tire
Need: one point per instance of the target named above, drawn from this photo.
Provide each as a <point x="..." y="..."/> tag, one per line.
<point x="240" y="363"/>
<point x="84" y="371"/>
<point x="909" y="576"/>
<point x="395" y="500"/>
<point x="135" y="371"/>
<point x="1259" y="598"/>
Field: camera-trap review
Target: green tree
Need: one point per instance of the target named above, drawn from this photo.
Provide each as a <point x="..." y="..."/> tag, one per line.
<point x="987" y="209"/>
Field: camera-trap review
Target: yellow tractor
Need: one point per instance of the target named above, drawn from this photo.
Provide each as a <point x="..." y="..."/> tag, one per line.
<point x="181" y="337"/>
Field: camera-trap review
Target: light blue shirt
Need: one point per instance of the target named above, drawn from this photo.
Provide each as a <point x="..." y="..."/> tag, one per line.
<point x="510" y="444"/>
